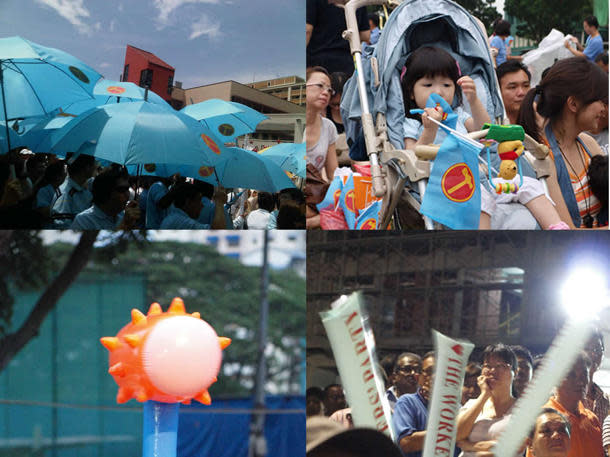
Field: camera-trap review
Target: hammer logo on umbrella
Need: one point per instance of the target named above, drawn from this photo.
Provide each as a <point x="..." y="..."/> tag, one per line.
<point x="79" y="74"/>
<point x="226" y="129"/>
<point x="205" y="171"/>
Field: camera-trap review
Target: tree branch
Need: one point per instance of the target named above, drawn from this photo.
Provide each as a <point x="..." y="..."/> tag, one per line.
<point x="12" y="343"/>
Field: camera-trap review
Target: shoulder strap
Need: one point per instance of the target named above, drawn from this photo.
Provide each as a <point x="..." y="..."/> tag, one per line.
<point x="584" y="146"/>
<point x="563" y="177"/>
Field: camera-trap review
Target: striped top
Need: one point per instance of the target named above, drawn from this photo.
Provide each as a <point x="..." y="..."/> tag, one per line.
<point x="582" y="189"/>
<point x="587" y="202"/>
<point x="606" y="432"/>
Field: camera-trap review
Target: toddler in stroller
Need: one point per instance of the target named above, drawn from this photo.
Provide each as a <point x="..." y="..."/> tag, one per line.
<point x="410" y="30"/>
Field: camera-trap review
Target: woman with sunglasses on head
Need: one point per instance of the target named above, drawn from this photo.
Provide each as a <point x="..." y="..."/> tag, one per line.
<point x="482" y="419"/>
<point x="571" y="97"/>
<point x="320" y="133"/>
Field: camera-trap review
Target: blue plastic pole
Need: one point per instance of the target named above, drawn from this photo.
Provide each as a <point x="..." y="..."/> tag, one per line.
<point x="160" y="429"/>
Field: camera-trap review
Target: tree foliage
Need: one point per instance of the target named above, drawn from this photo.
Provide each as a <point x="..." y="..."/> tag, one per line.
<point x="540" y="16"/>
<point x="227" y="294"/>
<point x="481" y="9"/>
<point x="25" y="256"/>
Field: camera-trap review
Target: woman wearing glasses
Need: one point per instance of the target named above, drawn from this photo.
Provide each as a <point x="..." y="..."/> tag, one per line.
<point x="482" y="419"/>
<point x="320" y="133"/>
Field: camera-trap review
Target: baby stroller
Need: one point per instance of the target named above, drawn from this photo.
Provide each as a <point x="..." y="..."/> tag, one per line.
<point x="372" y="105"/>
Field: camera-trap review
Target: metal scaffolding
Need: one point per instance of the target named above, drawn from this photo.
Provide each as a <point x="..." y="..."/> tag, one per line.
<point x="482" y="286"/>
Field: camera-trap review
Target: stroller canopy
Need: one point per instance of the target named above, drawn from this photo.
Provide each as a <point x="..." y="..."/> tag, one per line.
<point x="413" y="24"/>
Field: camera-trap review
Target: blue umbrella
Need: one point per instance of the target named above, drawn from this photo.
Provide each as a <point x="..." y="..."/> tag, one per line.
<point x="240" y="168"/>
<point x="38" y="133"/>
<point x="35" y="80"/>
<point x="107" y="91"/>
<point x="289" y="156"/>
<point x="138" y="133"/>
<point x="228" y="119"/>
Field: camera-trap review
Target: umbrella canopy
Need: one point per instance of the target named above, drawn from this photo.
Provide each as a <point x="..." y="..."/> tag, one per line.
<point x="242" y="169"/>
<point x="138" y="133"/>
<point x="107" y="91"/>
<point x="36" y="79"/>
<point x="227" y="119"/>
<point x="289" y="156"/>
<point x="37" y="133"/>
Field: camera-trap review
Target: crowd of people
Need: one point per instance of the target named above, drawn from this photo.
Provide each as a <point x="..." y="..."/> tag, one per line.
<point x="41" y="191"/>
<point x="574" y="421"/>
<point x="567" y="111"/>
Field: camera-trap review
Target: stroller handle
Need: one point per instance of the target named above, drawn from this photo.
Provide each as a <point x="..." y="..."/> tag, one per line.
<point x="352" y="35"/>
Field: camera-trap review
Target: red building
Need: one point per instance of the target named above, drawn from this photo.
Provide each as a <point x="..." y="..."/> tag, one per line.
<point x="146" y="69"/>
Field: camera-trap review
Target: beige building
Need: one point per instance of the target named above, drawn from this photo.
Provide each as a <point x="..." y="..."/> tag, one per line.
<point x="286" y="120"/>
<point x="289" y="88"/>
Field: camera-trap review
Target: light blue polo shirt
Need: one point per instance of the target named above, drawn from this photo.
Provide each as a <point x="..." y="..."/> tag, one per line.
<point x="178" y="219"/>
<point x="593" y="47"/>
<point x="154" y="214"/>
<point x="498" y="43"/>
<point x="74" y="198"/>
<point x="95" y="219"/>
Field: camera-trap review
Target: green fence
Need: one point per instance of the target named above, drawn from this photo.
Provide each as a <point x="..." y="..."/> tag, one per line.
<point x="64" y="406"/>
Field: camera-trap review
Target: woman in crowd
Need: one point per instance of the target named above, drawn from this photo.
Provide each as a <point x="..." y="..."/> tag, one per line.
<point x="320" y="135"/>
<point x="482" y="419"/>
<point x="333" y="112"/>
<point x="570" y="109"/>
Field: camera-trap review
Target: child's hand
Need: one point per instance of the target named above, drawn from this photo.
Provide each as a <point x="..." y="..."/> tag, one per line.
<point x="434" y="113"/>
<point x="468" y="88"/>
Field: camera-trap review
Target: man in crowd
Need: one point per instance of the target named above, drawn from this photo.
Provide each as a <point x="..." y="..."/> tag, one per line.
<point x="313" y="401"/>
<point x="187" y="206"/>
<point x="586" y="437"/>
<point x="596" y="400"/>
<point x="110" y="193"/>
<point x="525" y="369"/>
<point x="405" y="377"/>
<point x="550" y="436"/>
<point x="411" y="412"/>
<point x="514" y="79"/>
<point x="325" y="23"/>
<point x="594" y="44"/>
<point x="75" y="194"/>
<point x="334" y="399"/>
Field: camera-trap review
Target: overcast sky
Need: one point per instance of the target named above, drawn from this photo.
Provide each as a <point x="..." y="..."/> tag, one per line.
<point x="206" y="41"/>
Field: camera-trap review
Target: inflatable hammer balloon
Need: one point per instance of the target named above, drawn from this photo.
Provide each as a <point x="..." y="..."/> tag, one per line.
<point x="161" y="360"/>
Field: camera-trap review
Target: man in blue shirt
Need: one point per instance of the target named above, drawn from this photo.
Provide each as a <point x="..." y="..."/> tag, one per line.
<point x="411" y="412"/>
<point x="594" y="44"/>
<point x="110" y="190"/>
<point x="187" y="207"/>
<point x="501" y="32"/>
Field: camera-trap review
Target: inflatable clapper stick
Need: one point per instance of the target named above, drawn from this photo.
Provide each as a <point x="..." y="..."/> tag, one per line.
<point x="163" y="359"/>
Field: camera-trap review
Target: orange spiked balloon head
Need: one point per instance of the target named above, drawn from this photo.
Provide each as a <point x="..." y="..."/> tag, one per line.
<point x="170" y="357"/>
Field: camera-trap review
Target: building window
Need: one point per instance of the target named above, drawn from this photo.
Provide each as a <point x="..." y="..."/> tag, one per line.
<point x="170" y="83"/>
<point x="213" y="240"/>
<point x="146" y="77"/>
<point x="233" y="255"/>
<point x="126" y="73"/>
<point x="233" y="240"/>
